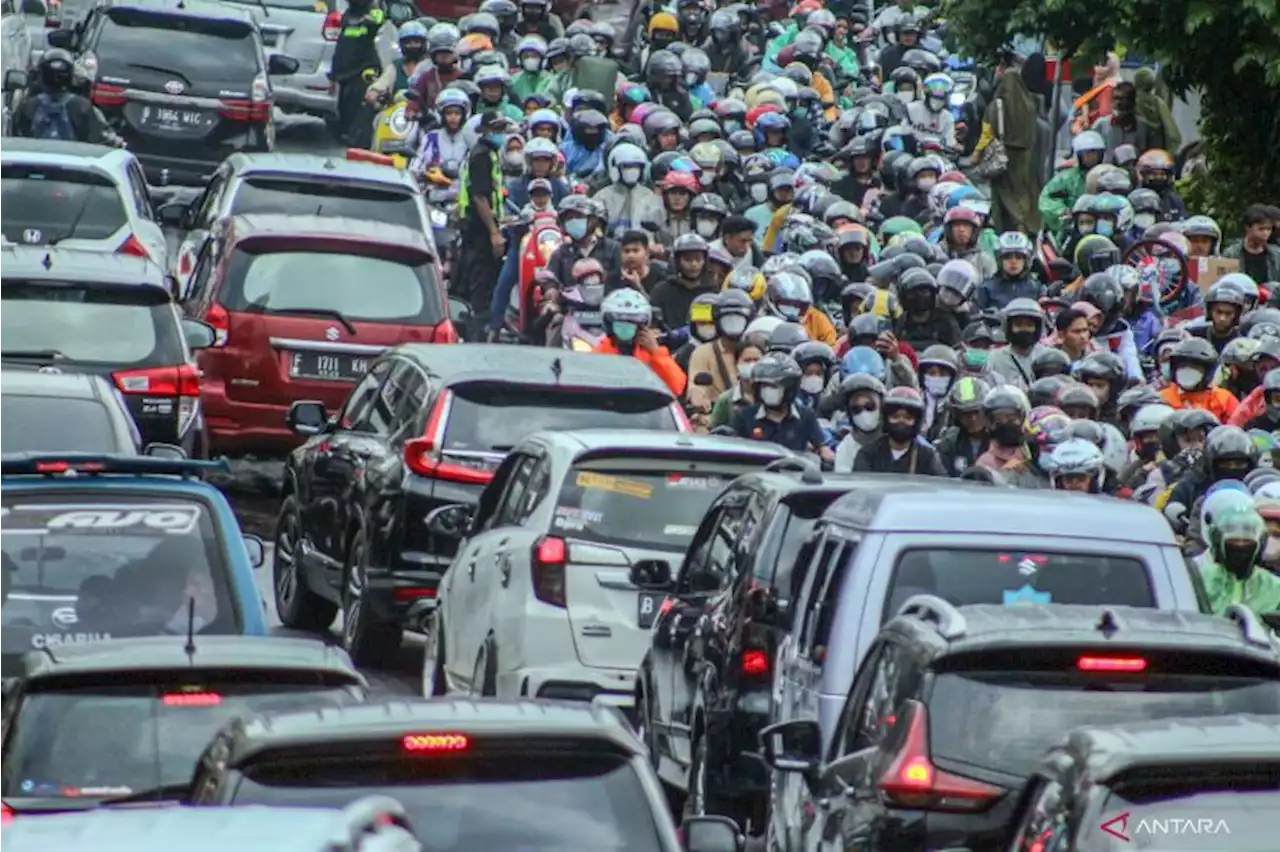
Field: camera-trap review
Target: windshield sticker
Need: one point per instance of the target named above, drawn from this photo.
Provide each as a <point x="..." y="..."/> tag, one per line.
<point x="573" y="519"/>
<point x="147" y="519"/>
<point x="697" y="483"/>
<point x="679" y="530"/>
<point x="1026" y="595"/>
<point x="53" y="640"/>
<point x="615" y="484"/>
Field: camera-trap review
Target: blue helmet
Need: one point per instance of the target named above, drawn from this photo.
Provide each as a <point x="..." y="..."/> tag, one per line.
<point x="865" y="360"/>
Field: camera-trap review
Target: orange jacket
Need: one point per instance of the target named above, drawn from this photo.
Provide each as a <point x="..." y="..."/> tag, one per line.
<point x="660" y="362"/>
<point x="1217" y="401"/>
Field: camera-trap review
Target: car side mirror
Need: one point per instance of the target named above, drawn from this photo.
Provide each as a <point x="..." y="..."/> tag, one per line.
<point x="282" y="65"/>
<point x="794" y="746"/>
<point x="65" y="39"/>
<point x="307" y="417"/>
<point x="711" y="834"/>
<point x="199" y="335"/>
<point x="459" y="313"/>
<point x="652" y="575"/>
<point x="451" y="521"/>
<point x="256" y="549"/>
<point x="15" y="80"/>
<point x="173" y="213"/>
<point x="161" y="450"/>
<point x="703" y="379"/>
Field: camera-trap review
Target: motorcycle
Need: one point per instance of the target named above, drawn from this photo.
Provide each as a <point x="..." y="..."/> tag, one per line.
<point x="580" y="325"/>
<point x="394" y="130"/>
<point x="541" y="238"/>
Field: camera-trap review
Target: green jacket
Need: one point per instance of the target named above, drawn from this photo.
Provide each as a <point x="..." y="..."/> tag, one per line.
<point x="1057" y="198"/>
<point x="525" y="84"/>
<point x="844" y="58"/>
<point x="507" y="108"/>
<point x="1260" y="593"/>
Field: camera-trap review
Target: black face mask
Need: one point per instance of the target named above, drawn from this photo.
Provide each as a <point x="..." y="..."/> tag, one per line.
<point x="918" y="303"/>
<point x="1239" y="559"/>
<point x="900" y="431"/>
<point x="1023" y="339"/>
<point x="1147" y="450"/>
<point x="1221" y="472"/>
<point x="1007" y="434"/>
<point x="413" y="54"/>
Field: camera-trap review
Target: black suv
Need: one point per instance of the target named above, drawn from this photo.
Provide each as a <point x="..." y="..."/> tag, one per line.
<point x="952" y="709"/>
<point x="703" y="690"/>
<point x="111" y="315"/>
<point x="1214" y="780"/>
<point x="183" y="84"/>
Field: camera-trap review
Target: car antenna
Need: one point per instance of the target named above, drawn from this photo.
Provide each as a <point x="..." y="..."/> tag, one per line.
<point x="557" y="369"/>
<point x="47" y="263"/>
<point x="190" y="649"/>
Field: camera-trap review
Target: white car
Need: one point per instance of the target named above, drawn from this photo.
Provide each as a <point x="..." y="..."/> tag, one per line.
<point x="546" y="598"/>
<point x="78" y="196"/>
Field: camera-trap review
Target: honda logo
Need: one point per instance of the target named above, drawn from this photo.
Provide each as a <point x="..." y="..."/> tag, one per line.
<point x="174" y="87"/>
<point x="332" y="333"/>
<point x="32" y="235"/>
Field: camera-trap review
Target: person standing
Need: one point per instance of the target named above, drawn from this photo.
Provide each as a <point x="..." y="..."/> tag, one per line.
<point x="1259" y="257"/>
<point x="355" y="65"/>
<point x="1012" y="116"/>
<point x="480" y="201"/>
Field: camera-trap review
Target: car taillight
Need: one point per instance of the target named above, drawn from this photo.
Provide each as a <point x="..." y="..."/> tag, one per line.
<point x="1131" y="665"/>
<point x="409" y="594"/>
<point x="548" y="559"/>
<point x="104" y="95"/>
<point x="181" y="382"/>
<point x="220" y="321"/>
<point x="912" y="781"/>
<point x="6" y="815"/>
<point x="429" y="743"/>
<point x="133" y="248"/>
<point x="423" y="456"/>
<point x="445" y="333"/>
<point x="755" y="663"/>
<point x="682" y="419"/>
<point x="192" y="699"/>
<point x="257" y="109"/>
<point x="332" y="26"/>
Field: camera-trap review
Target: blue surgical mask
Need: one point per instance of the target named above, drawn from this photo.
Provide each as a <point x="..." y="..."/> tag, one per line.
<point x="497" y="140"/>
<point x="1105" y="228"/>
<point x="576" y="228"/>
<point x="625" y="331"/>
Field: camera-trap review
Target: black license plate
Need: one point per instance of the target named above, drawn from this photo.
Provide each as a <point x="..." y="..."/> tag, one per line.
<point x="335" y="367"/>
<point x="648" y="605"/>
<point x="174" y="118"/>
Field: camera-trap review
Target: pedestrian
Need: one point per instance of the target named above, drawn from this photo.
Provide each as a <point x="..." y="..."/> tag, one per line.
<point x="480" y="202"/>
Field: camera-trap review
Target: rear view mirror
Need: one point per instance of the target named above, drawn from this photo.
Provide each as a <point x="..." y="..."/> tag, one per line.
<point x="459" y="314"/>
<point x="794" y="746"/>
<point x="160" y="450"/>
<point x="173" y="214"/>
<point x="199" y="335"/>
<point x="711" y="834"/>
<point x="307" y="417"/>
<point x="15" y="80"/>
<point x="256" y="549"/>
<point x="282" y="65"/>
<point x="450" y="521"/>
<point x="64" y="39"/>
<point x="651" y="574"/>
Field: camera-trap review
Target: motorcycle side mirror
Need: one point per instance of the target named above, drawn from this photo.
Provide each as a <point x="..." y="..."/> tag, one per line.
<point x="703" y="379"/>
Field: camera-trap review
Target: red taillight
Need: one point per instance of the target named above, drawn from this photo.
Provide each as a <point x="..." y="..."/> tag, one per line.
<point x="422" y="456"/>
<point x="420" y="743"/>
<point x="409" y="594"/>
<point x="255" y="112"/>
<point x="682" y="419"/>
<point x="220" y="321"/>
<point x="65" y="467"/>
<point x="6" y="815"/>
<point x="105" y="95"/>
<point x="1112" y="664"/>
<point x="332" y="26"/>
<point x="133" y="248"/>
<point x="192" y="699"/>
<point x="160" y="381"/>
<point x="912" y="781"/>
<point x="549" y="557"/>
<point x="755" y="663"/>
<point x="445" y="333"/>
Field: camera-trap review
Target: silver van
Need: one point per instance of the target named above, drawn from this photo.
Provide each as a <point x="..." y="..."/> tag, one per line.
<point x="892" y="537"/>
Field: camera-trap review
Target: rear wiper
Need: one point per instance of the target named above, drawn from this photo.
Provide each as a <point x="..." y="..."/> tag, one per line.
<point x="317" y="312"/>
<point x="159" y="793"/>
<point x="32" y="354"/>
<point x="159" y="68"/>
<point x="503" y="448"/>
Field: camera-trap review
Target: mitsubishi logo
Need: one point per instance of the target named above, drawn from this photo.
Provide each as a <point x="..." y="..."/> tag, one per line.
<point x="332" y="333"/>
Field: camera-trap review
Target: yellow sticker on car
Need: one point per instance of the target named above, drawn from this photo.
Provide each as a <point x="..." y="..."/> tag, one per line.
<point x="615" y="484"/>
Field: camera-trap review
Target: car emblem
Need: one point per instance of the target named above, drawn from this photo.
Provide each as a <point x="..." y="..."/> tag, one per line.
<point x="174" y="87"/>
<point x="64" y="616"/>
<point x="32" y="235"/>
<point x="47" y="369"/>
<point x="332" y="333"/>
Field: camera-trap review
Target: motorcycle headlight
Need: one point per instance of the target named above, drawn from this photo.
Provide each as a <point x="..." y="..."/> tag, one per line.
<point x="438" y="219"/>
<point x="957" y="99"/>
<point x="399" y="123"/>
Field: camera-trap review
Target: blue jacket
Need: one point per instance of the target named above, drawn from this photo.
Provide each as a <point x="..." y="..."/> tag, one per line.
<point x="998" y="291"/>
<point x="1146" y="327"/>
<point x="581" y="163"/>
<point x="518" y="191"/>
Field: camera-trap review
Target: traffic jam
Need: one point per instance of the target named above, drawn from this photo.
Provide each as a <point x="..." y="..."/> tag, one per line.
<point x="630" y="428"/>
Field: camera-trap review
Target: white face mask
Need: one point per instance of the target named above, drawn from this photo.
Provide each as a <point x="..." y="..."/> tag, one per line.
<point x="1144" y="220"/>
<point x="733" y="325"/>
<point x="707" y="178"/>
<point x="759" y="192"/>
<point x="772" y="396"/>
<point x="691" y="80"/>
<point x="1188" y="378"/>
<point x="706" y="228"/>
<point x="926" y="184"/>
<point x="867" y="421"/>
<point x="532" y="64"/>
<point x="812" y="384"/>
<point x="630" y="175"/>
<point x="935" y="103"/>
<point x="745" y="370"/>
<point x="907" y="96"/>
<point x="936" y="386"/>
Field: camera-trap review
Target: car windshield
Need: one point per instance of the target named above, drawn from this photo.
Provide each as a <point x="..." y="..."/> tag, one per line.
<point x="43" y="204"/>
<point x="638" y="508"/>
<point x="100" y="741"/>
<point x="283" y="196"/>
<point x="493" y="416"/>
<point x="111" y="326"/>
<point x="1010" y="718"/>
<point x="294" y="281"/>
<point x="1018" y="577"/>
<point x="196" y="50"/>
<point x="35" y="424"/>
<point x="84" y="568"/>
<point x="533" y="802"/>
<point x="1240" y="819"/>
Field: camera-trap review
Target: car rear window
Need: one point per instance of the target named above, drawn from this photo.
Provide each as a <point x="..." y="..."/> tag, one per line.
<point x="638" y="508"/>
<point x="1011" y="717"/>
<point x="527" y="800"/>
<point x="43" y="204"/>
<point x="492" y="416"/>
<point x="293" y="197"/>
<point x="35" y="424"/>
<point x="89" y="567"/>
<point x="100" y="741"/>
<point x="89" y="323"/>
<point x="198" y="50"/>
<point x="358" y="286"/>
<point x="1018" y="577"/>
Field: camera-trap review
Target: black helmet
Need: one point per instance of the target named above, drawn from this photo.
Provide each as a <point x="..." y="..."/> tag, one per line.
<point x="1229" y="453"/>
<point x="1226" y="293"/>
<point x="967" y="394"/>
<point x="1076" y="395"/>
<point x="1194" y="350"/>
<point x="787" y="336"/>
<point x="1104" y="293"/>
<point x="1105" y="366"/>
<point x="777" y="368"/>
<point x="1135" y="398"/>
<point x="1005" y="398"/>
<point x="1047" y="362"/>
<point x="1044" y="392"/>
<point x="816" y="352"/>
<point x="582" y="44"/>
<point x="57" y="69"/>
<point x="663" y="63"/>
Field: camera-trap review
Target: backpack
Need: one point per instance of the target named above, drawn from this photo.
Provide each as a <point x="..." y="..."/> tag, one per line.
<point x="51" y="120"/>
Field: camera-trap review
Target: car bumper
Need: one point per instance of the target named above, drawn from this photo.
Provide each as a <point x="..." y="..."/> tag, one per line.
<point x="310" y="94"/>
<point x="615" y="687"/>
<point x="404" y="597"/>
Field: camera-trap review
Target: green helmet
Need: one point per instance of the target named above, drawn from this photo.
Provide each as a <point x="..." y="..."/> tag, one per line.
<point x="899" y="225"/>
<point x="967" y="395"/>
<point x="1235" y="525"/>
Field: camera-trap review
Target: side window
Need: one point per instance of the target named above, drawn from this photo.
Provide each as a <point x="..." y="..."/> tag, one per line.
<point x="1044" y="825"/>
<point x="711" y="569"/>
<point x="141" y="196"/>
<point x="359" y="406"/>
<point x="829" y="602"/>
<point x="822" y="551"/>
<point x="206" y="262"/>
<point x="539" y="487"/>
<point x="207" y="213"/>
<point x="509" y="506"/>
<point x="699" y="553"/>
<point x="383" y="417"/>
<point x="878" y="707"/>
<point x="410" y="415"/>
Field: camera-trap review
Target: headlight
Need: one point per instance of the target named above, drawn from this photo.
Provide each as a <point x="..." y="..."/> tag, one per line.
<point x="438" y="219"/>
<point x="398" y="123"/>
<point x="957" y="98"/>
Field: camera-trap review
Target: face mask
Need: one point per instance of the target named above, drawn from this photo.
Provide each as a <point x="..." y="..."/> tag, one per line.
<point x="1105" y="228"/>
<point x="531" y="64"/>
<point x="625" y="331"/>
<point x="900" y="431"/>
<point x="975" y="359"/>
<point x="790" y="313"/>
<point x="691" y="80"/>
<point x="707" y="178"/>
<point x="812" y="384"/>
<point x="497" y="140"/>
<point x="935" y="103"/>
<point x="413" y="54"/>
<point x="936" y="386"/>
<point x="1007" y="434"/>
<point x="1271" y="554"/>
<point x="745" y="370"/>
<point x="1144" y="220"/>
<point x="1148" y="450"/>
<point x="733" y="326"/>
<point x="514" y="159"/>
<point x="706" y="228"/>
<point x="1022" y="339"/>
<point x="759" y="192"/>
<point x="772" y="396"/>
<point x="1188" y="378"/>
<point x="704" y="332"/>
<point x="866" y="421"/>
<point x="576" y="228"/>
<point x="630" y="175"/>
<point x="907" y="96"/>
<point x="1165" y="371"/>
<point x="926" y="184"/>
<point x="1238" y="559"/>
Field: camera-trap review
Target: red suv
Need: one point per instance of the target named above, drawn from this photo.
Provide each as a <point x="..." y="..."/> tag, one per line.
<point x="301" y="307"/>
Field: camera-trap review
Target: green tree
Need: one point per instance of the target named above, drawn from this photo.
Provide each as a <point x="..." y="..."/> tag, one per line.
<point x="1228" y="51"/>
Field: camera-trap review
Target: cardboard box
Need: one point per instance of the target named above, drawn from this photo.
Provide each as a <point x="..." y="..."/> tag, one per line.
<point x="1206" y="271"/>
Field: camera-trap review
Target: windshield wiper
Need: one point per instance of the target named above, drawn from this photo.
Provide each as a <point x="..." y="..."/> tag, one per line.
<point x="318" y="312"/>
<point x="33" y="354"/>
<point x="159" y="793"/>
<point x="157" y="68"/>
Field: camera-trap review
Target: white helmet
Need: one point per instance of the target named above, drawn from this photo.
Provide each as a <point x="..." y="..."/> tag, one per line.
<point x="764" y="325"/>
<point x="1087" y="140"/>
<point x="539" y="147"/>
<point x="626" y="305"/>
<point x="1149" y="417"/>
<point x="625" y="155"/>
<point x="1222" y="501"/>
<point x="1075" y="457"/>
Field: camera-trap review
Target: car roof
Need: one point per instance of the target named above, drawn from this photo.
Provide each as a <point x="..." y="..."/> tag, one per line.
<point x="929" y="504"/>
<point x="317" y="166"/>
<point x="332" y="227"/>
<point x="55" y="152"/>
<point x="209" y="9"/>
<point x="531" y="365"/>
<point x="1113" y="750"/>
<point x="41" y="263"/>
<point x="641" y="442"/>
<point x="33" y="382"/>
<point x="523" y="720"/>
<point x="169" y="653"/>
<point x="787" y="484"/>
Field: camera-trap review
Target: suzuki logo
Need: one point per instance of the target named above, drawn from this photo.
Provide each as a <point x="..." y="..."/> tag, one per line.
<point x="332" y="333"/>
<point x="174" y="87"/>
<point x="32" y="235"/>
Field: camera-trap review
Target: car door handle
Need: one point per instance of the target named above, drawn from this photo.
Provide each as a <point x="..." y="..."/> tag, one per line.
<point x="471" y="570"/>
<point x="504" y="568"/>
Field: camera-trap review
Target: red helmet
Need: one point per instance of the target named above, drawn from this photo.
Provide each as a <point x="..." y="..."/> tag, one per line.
<point x="753" y="114"/>
<point x="960" y="213"/>
<point x="681" y="180"/>
<point x="587" y="267"/>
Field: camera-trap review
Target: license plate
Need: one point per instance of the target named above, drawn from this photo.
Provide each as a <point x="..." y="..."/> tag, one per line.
<point x="648" y="604"/>
<point x="171" y="118"/>
<point x="589" y="319"/>
<point x="335" y="368"/>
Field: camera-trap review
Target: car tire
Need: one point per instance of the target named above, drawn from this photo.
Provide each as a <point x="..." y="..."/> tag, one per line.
<point x="298" y="606"/>
<point x="702" y="799"/>
<point x="368" y="641"/>
<point x="644" y="719"/>
<point x="434" y="682"/>
<point x="486" y="671"/>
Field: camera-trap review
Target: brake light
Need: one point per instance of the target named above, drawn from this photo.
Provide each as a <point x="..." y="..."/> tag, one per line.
<point x="422" y="456"/>
<point x="104" y="95"/>
<point x="133" y="248"/>
<point x="912" y="781"/>
<point x="412" y="593"/>
<point x="1111" y="664"/>
<point x="65" y="467"/>
<point x="332" y="26"/>
<point x="160" y="381"/>
<point x="682" y="419"/>
<point x="549" y="557"/>
<point x="445" y="333"/>
<point x="6" y="815"/>
<point x="192" y="699"/>
<point x="755" y="663"/>
<point x="220" y="321"/>
<point x="253" y="112"/>
<point x="420" y="743"/>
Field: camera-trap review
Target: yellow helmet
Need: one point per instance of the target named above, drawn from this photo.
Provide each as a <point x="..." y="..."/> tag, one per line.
<point x="883" y="303"/>
<point x="664" y="21"/>
<point x="748" y="279"/>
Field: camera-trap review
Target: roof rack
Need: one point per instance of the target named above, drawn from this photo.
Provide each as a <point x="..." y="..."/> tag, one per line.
<point x="934" y="610"/>
<point x="96" y="464"/>
<point x="1252" y="629"/>
<point x="810" y="474"/>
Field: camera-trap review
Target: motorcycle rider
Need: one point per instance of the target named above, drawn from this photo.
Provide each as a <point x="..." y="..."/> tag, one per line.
<point x="1224" y="306"/>
<point x="446" y="144"/>
<point x="672" y="298"/>
<point x="900" y="448"/>
<point x="536" y="19"/>
<point x="395" y="77"/>
<point x="731" y="314"/>
<point x="966" y="438"/>
<point x="480" y="202"/>
<point x="628" y="202"/>
<point x="531" y="79"/>
<point x="923" y="323"/>
<point x="961" y="227"/>
<point x="777" y="418"/>
<point x="55" y="111"/>
<point x="637" y="269"/>
<point x="859" y="398"/>
<point x="1023" y="323"/>
<point x="1155" y="172"/>
<point x="1229" y="454"/>
<point x="726" y="50"/>
<point x="540" y="160"/>
<point x="1147" y="456"/>
<point x="662" y="75"/>
<point x="1060" y="194"/>
<point x="582" y="220"/>
<point x="1237" y="539"/>
<point x="1076" y="465"/>
<point x="442" y="42"/>
<point x="932" y="113"/>
<point x="1191" y="365"/>
<point x="627" y="317"/>
<point x="356" y="63"/>
<point x="1014" y="280"/>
